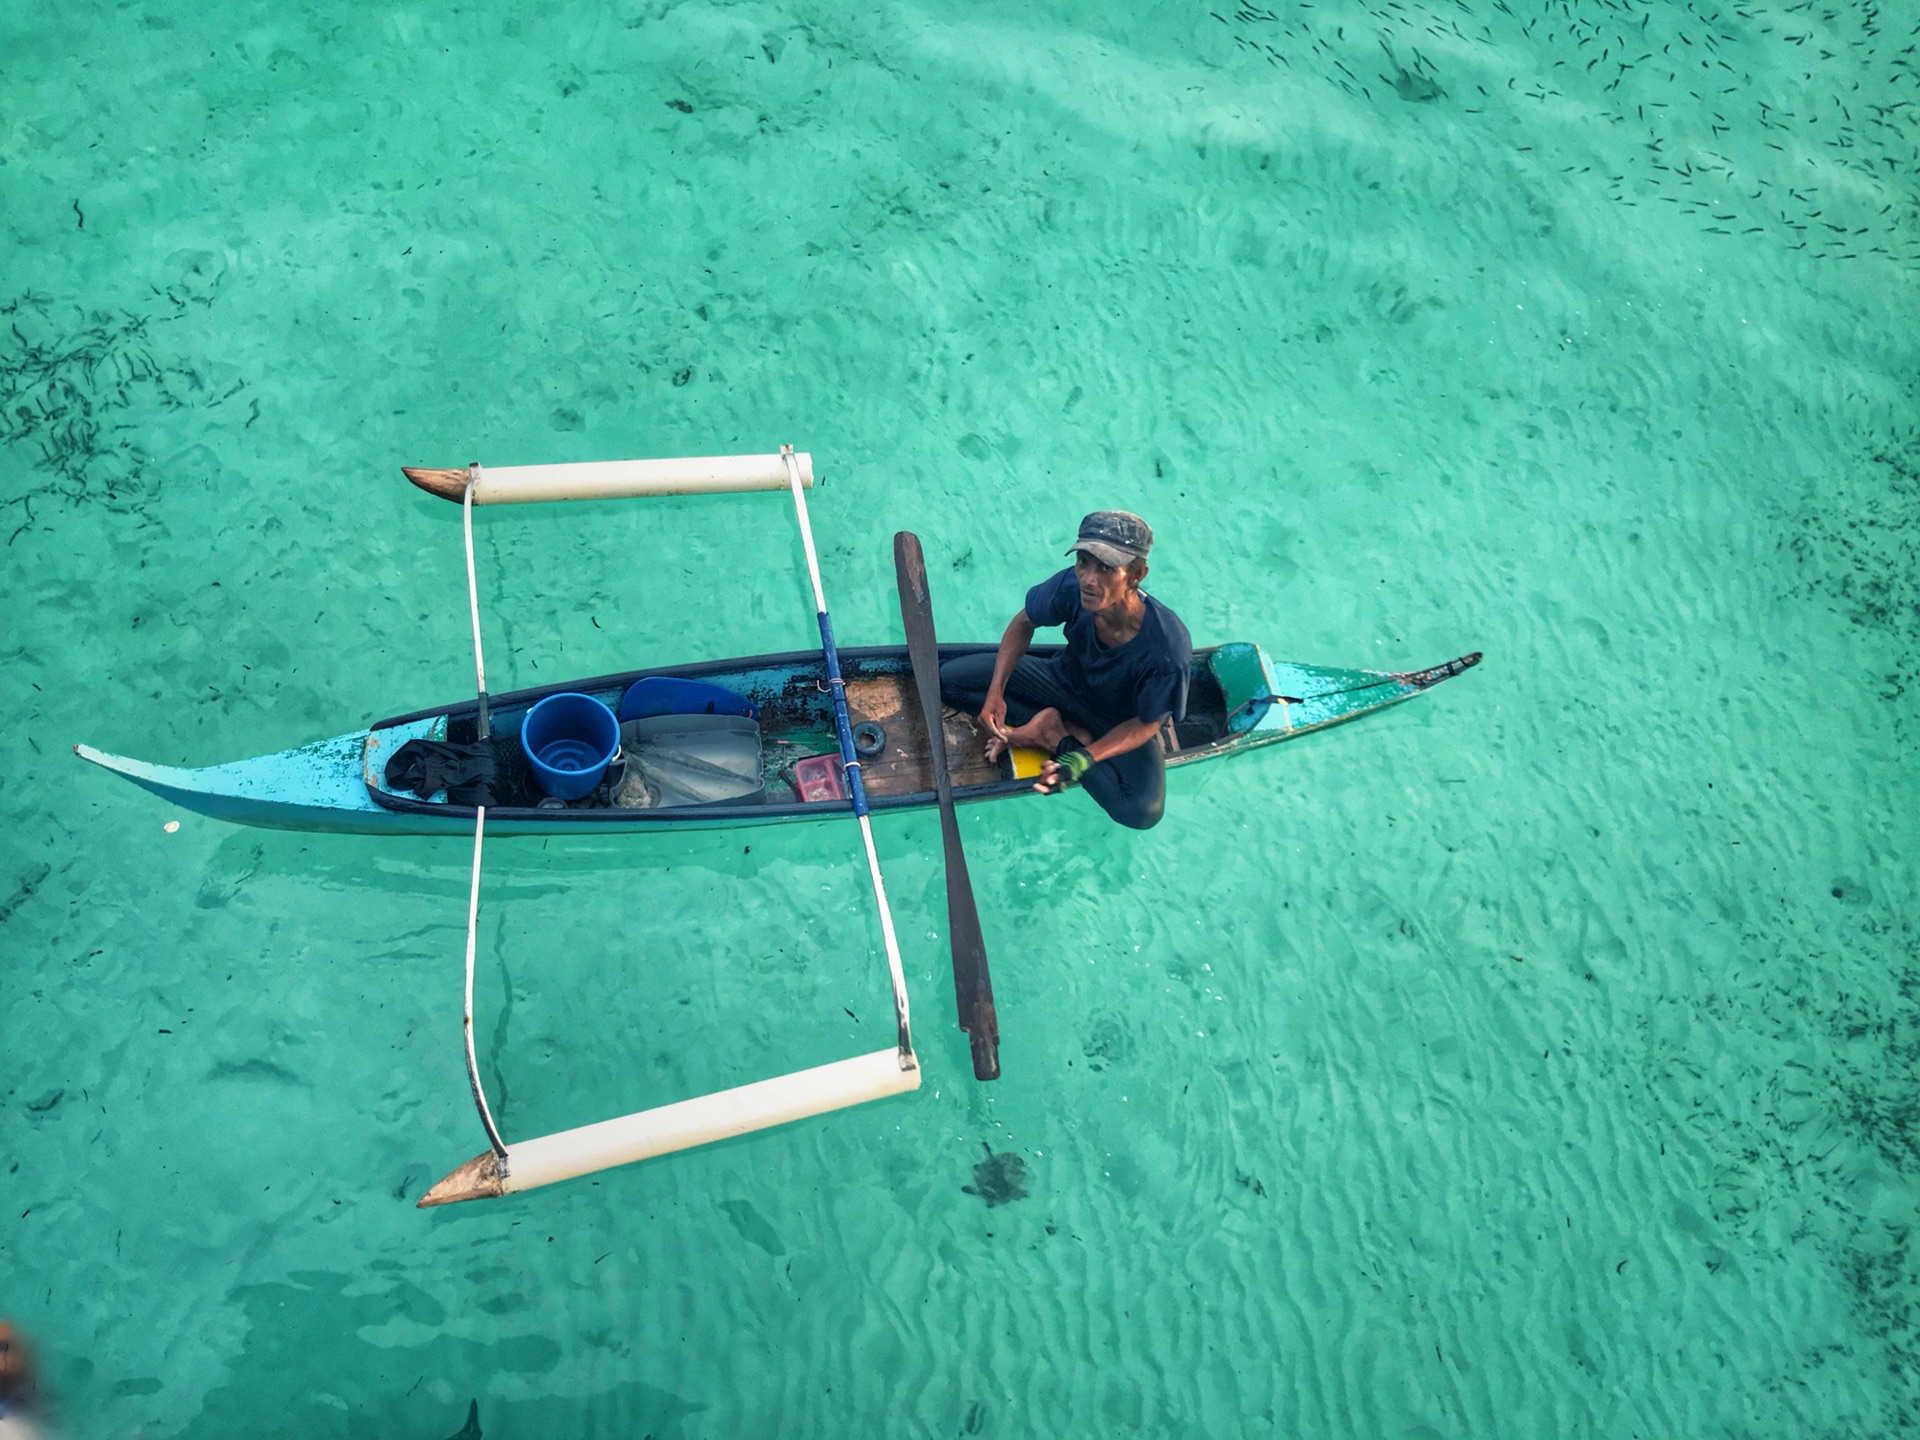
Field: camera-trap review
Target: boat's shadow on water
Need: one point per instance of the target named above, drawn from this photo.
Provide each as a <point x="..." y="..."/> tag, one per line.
<point x="532" y="865"/>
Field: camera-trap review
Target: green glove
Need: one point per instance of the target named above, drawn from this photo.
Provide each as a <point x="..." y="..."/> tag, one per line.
<point x="1075" y="762"/>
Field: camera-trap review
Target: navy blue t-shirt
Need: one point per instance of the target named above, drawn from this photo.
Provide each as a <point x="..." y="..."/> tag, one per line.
<point x="1142" y="679"/>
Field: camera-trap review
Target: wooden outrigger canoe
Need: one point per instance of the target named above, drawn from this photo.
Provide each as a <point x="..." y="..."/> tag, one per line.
<point x="340" y="784"/>
<point x="809" y="713"/>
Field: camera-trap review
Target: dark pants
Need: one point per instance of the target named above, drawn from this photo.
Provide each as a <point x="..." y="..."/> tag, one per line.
<point x="1132" y="788"/>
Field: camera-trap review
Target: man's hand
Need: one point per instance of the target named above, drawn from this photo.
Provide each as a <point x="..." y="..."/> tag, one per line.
<point x="993" y="714"/>
<point x="1074" y="764"/>
<point x="1055" y="774"/>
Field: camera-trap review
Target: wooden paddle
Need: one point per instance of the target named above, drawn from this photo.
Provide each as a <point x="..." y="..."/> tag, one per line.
<point x="972" y="982"/>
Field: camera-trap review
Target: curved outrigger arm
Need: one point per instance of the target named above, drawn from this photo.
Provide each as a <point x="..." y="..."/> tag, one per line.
<point x="505" y="1169"/>
<point x="473" y="1063"/>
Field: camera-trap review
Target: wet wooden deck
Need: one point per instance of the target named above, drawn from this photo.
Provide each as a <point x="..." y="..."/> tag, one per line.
<point x="903" y="767"/>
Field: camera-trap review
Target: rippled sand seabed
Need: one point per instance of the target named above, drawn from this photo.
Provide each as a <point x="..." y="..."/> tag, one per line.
<point x="1537" y="1059"/>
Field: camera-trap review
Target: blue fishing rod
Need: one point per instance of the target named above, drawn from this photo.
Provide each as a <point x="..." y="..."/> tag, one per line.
<point x="850" y="760"/>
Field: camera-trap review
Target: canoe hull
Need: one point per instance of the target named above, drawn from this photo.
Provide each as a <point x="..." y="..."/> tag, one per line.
<point x="336" y="785"/>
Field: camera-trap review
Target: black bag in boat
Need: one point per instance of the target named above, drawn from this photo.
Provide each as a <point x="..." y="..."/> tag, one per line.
<point x="469" y="772"/>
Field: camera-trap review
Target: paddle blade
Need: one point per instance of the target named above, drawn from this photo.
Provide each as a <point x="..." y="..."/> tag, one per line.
<point x="963" y="926"/>
<point x="972" y="982"/>
<point x="984" y="1033"/>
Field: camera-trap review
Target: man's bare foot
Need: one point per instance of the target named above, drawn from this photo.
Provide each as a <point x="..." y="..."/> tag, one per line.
<point x="1031" y="733"/>
<point x="1044" y="732"/>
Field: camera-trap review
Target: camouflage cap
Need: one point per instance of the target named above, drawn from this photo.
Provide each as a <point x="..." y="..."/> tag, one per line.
<point x="1114" y="537"/>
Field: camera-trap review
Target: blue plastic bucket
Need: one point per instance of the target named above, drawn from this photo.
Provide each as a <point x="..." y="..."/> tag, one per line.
<point x="570" y="740"/>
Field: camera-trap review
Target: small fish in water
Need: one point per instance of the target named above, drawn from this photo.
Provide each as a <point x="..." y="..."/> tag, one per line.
<point x="753" y="1226"/>
<point x="998" y="1179"/>
<point x="470" y="1430"/>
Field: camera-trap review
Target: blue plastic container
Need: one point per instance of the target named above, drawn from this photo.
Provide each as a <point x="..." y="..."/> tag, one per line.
<point x="570" y="740"/>
<point x="670" y="695"/>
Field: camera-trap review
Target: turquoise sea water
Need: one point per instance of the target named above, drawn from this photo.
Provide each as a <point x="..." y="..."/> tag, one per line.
<point x="1536" y="1059"/>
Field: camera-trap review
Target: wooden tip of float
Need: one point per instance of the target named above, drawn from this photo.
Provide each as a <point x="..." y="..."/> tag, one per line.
<point x="478" y="1179"/>
<point x="447" y="484"/>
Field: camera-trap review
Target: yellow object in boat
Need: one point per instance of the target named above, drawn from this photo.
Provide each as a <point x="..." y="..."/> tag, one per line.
<point x="1027" y="762"/>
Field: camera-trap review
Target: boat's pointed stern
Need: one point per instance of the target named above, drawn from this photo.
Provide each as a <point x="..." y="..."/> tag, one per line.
<point x="321" y="786"/>
<point x="166" y="780"/>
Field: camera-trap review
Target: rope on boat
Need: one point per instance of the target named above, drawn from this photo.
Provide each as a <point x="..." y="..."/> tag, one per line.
<point x="851" y="762"/>
<point x="473" y="1063"/>
<point x="473" y="597"/>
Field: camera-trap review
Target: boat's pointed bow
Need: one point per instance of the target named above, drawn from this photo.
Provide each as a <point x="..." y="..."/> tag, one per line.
<point x="1422" y="679"/>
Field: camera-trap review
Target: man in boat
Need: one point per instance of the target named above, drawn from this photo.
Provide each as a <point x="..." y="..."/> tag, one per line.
<point x="1097" y="707"/>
